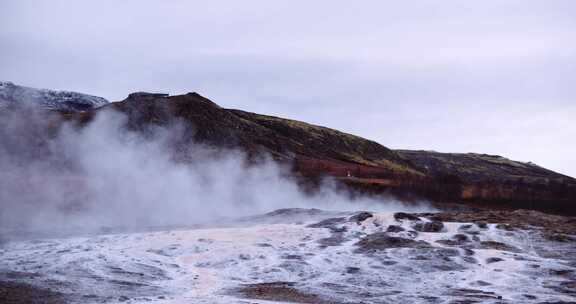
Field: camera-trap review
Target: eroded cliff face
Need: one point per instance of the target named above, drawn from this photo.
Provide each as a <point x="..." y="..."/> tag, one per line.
<point x="356" y="163"/>
<point x="497" y="181"/>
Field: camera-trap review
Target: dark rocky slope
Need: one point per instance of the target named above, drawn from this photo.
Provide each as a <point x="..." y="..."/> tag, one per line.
<point x="495" y="180"/>
<point x="360" y="164"/>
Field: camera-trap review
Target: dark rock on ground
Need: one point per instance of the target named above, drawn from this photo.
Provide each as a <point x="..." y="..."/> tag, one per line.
<point x="498" y="246"/>
<point x="570" y="285"/>
<point x="506" y="227"/>
<point x="290" y="215"/>
<point x="461" y="238"/>
<point x="482" y="225"/>
<point x="448" y="242"/>
<point x="394" y="228"/>
<point x="330" y="223"/>
<point x="474" y="294"/>
<point x="294" y="212"/>
<point x="559" y="237"/>
<point x="278" y="291"/>
<point x="382" y="241"/>
<point x="360" y="217"/>
<point x="481" y="283"/>
<point x="469" y="259"/>
<point x="457" y="240"/>
<point x="493" y="260"/>
<point x="518" y="219"/>
<point x="567" y="273"/>
<point x="336" y="239"/>
<point x="399" y="216"/>
<point x="434" y="226"/>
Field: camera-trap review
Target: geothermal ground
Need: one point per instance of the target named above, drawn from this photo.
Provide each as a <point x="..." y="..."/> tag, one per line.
<point x="303" y="256"/>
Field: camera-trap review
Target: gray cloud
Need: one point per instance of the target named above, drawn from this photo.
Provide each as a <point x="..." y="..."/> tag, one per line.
<point x="494" y="77"/>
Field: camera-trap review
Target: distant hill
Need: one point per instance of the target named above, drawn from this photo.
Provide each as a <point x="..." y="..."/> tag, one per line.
<point x="359" y="164"/>
<point x="12" y="95"/>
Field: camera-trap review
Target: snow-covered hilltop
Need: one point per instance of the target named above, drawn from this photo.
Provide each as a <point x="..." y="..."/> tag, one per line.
<point x="15" y="95"/>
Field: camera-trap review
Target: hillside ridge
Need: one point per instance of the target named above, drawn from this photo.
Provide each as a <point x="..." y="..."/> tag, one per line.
<point x="361" y="165"/>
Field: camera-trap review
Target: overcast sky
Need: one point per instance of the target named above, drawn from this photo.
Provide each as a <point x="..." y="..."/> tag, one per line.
<point x="495" y="77"/>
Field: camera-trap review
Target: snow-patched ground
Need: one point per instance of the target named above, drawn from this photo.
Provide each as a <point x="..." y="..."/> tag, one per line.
<point x="212" y="265"/>
<point x="11" y="93"/>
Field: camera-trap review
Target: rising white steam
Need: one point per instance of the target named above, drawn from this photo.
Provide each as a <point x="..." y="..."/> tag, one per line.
<point x="102" y="175"/>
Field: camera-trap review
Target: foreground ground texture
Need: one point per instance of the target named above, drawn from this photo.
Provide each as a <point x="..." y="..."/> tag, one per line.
<point x="307" y="256"/>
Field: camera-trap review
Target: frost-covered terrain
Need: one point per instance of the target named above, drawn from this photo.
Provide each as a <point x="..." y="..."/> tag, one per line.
<point x="15" y="95"/>
<point x="303" y="256"/>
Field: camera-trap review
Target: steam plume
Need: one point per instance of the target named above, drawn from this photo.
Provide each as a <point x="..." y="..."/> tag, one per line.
<point x="103" y="175"/>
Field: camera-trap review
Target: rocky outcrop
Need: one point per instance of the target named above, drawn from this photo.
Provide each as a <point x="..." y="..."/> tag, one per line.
<point x="494" y="180"/>
<point x="554" y="225"/>
<point x="381" y="241"/>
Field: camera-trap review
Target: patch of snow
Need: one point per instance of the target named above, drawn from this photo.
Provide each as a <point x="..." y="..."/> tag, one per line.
<point x="15" y="95"/>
